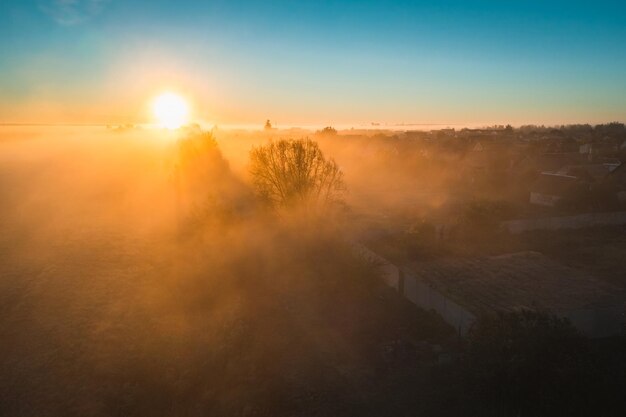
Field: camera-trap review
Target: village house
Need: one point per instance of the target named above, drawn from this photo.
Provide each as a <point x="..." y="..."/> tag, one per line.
<point x="491" y="155"/>
<point x="549" y="188"/>
<point x="617" y="181"/>
<point x="550" y="162"/>
<point x="589" y="172"/>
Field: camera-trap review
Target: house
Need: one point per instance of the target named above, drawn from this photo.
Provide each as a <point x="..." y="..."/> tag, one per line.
<point x="604" y="147"/>
<point x="549" y="162"/>
<point x="559" y="143"/>
<point x="491" y="156"/>
<point x="617" y="181"/>
<point x="461" y="290"/>
<point x="549" y="189"/>
<point x="478" y="147"/>
<point x="448" y="131"/>
<point x="591" y="172"/>
<point x="585" y="148"/>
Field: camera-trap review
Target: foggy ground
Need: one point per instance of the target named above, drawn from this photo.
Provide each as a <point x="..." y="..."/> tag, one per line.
<point x="106" y="310"/>
<point x="77" y="252"/>
<point x="135" y="281"/>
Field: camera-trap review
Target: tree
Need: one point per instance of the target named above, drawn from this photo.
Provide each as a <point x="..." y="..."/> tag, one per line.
<point x="200" y="159"/>
<point x="327" y="131"/>
<point x="528" y="363"/>
<point x="206" y="189"/>
<point x="295" y="173"/>
<point x="482" y="217"/>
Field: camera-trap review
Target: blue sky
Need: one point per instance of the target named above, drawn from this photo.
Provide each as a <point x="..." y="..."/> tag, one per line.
<point x="315" y="62"/>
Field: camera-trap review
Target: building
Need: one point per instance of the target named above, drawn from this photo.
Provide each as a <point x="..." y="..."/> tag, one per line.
<point x="549" y="162"/>
<point x="617" y="181"/>
<point x="549" y="189"/>
<point x="591" y="172"/>
<point x="461" y="290"/>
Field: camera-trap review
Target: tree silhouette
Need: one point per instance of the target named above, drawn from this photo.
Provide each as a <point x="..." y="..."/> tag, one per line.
<point x="295" y="173"/>
<point x="327" y="131"/>
<point x="527" y="363"/>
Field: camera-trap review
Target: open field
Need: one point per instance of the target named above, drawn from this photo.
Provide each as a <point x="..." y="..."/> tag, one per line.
<point x="105" y="309"/>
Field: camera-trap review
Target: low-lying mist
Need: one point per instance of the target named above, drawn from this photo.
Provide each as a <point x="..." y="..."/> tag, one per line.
<point x="156" y="272"/>
<point x="142" y="274"/>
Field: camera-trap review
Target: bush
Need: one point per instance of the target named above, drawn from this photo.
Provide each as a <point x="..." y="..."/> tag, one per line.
<point x="527" y="363"/>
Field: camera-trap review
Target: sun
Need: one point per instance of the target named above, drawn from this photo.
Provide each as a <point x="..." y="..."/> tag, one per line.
<point x="170" y="110"/>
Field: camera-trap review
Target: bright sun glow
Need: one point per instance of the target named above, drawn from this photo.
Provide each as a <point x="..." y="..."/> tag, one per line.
<point x="170" y="110"/>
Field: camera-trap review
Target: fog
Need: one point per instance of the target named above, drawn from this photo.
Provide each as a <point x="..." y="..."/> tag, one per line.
<point x="142" y="273"/>
<point x="133" y="281"/>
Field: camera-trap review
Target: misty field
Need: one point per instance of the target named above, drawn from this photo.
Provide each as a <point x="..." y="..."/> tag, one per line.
<point x="154" y="272"/>
<point x="74" y="263"/>
<point x="108" y="310"/>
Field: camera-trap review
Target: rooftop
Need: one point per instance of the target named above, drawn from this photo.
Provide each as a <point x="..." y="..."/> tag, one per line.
<point x="553" y="184"/>
<point x="525" y="280"/>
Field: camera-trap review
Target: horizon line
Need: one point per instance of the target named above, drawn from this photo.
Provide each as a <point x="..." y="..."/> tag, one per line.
<point x="259" y="126"/>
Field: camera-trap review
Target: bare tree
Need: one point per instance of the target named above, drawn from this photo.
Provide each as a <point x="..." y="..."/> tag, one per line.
<point x="295" y="173"/>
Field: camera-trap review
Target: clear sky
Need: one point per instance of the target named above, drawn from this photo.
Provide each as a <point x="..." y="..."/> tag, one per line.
<point x="315" y="62"/>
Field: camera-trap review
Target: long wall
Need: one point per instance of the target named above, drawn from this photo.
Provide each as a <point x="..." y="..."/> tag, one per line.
<point x="388" y="271"/>
<point x="565" y="222"/>
<point x="596" y="322"/>
<point x="418" y="291"/>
